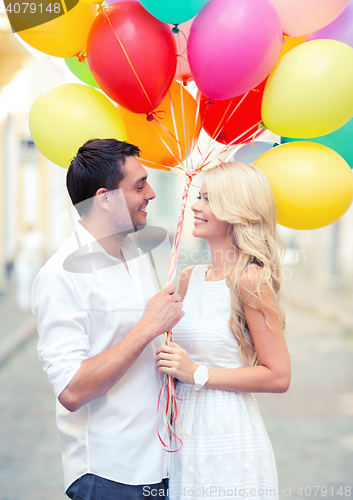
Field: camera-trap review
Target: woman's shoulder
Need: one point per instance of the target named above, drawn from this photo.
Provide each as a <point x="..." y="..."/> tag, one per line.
<point x="251" y="273"/>
<point x="186" y="276"/>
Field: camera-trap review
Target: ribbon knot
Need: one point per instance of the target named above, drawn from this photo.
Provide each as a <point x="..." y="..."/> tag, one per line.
<point x="101" y="9"/>
<point x="82" y="57"/>
<point x="153" y="115"/>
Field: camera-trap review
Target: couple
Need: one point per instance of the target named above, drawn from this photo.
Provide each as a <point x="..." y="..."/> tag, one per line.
<point x="100" y="320"/>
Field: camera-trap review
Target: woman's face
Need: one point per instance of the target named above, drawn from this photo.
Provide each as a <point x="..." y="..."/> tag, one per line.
<point x="206" y="225"/>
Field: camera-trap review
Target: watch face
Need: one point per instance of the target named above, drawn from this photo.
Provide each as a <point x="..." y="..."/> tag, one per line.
<point x="201" y="377"/>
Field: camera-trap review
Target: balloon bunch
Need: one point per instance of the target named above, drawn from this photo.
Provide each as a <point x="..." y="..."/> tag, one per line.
<point x="284" y="65"/>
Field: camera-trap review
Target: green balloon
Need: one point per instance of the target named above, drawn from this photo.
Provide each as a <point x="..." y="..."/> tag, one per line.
<point x="173" y="11"/>
<point x="81" y="71"/>
<point x="340" y="141"/>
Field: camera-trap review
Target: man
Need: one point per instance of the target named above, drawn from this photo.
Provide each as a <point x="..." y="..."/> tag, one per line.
<point x="98" y="320"/>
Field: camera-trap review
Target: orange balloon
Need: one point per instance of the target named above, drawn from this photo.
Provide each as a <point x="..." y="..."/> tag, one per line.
<point x="290" y="42"/>
<point x="165" y="137"/>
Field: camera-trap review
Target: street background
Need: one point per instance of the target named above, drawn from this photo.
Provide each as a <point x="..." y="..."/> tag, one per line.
<point x="310" y="426"/>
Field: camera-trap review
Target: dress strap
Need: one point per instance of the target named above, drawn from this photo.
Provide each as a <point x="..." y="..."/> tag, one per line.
<point x="197" y="274"/>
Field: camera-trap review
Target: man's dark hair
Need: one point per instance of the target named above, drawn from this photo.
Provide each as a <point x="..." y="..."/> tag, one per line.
<point x="97" y="164"/>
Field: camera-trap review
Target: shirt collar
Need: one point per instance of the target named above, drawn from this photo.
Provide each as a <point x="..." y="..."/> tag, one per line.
<point x="89" y="244"/>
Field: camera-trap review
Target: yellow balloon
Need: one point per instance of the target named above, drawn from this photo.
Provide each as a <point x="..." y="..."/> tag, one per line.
<point x="312" y="184"/>
<point x="310" y="91"/>
<point x="64" y="36"/>
<point x="64" y="117"/>
<point x="290" y="42"/>
<point x="91" y="1"/>
<point x="164" y="142"/>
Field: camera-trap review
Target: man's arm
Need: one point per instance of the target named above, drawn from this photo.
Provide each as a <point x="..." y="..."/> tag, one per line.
<point x="101" y="372"/>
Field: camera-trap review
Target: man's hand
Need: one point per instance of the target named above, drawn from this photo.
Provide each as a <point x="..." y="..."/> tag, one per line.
<point x="163" y="311"/>
<point x="101" y="372"/>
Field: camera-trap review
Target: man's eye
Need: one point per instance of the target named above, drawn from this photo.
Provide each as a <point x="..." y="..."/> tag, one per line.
<point x="139" y="189"/>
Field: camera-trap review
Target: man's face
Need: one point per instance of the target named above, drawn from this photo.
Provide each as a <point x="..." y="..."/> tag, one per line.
<point x="137" y="191"/>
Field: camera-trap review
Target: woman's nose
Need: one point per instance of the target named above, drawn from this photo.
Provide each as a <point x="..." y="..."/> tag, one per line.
<point x="195" y="207"/>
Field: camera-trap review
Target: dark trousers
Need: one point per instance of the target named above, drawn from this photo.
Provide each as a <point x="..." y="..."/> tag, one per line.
<point x="92" y="487"/>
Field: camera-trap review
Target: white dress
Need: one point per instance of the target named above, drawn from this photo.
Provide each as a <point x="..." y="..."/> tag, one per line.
<point x="231" y="450"/>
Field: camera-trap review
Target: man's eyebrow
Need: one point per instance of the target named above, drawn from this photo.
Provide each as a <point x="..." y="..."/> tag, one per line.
<point x="140" y="180"/>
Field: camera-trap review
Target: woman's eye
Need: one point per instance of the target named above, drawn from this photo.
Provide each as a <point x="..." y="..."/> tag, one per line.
<point x="198" y="197"/>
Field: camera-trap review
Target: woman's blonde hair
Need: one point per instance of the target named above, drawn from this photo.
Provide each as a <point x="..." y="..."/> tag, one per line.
<point x="240" y="194"/>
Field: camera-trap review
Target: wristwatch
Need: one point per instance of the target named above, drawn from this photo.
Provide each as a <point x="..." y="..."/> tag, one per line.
<point x="201" y="376"/>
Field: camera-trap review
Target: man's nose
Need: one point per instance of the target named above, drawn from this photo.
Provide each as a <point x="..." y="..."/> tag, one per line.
<point x="150" y="193"/>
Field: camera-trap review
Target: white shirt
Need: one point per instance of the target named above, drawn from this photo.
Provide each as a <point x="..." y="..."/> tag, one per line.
<point x="85" y="301"/>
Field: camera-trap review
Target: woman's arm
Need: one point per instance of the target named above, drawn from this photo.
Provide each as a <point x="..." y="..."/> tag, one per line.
<point x="273" y="372"/>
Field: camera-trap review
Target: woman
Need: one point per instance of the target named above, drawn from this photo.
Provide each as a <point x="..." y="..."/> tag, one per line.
<point x="230" y="342"/>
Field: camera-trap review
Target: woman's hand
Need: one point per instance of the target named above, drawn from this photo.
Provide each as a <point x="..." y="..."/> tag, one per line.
<point x="174" y="360"/>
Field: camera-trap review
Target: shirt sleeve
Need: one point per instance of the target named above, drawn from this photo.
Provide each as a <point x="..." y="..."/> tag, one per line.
<point x="63" y="327"/>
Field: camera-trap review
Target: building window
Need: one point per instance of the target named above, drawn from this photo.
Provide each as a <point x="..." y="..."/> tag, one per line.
<point x="29" y="152"/>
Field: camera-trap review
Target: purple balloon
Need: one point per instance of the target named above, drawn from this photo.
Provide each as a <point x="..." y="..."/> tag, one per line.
<point x="341" y="29"/>
<point x="110" y="2"/>
<point x="233" y="45"/>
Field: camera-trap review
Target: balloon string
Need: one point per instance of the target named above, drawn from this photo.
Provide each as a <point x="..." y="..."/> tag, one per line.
<point x="161" y="141"/>
<point x="184" y="125"/>
<point x="178" y="160"/>
<point x="127" y="57"/>
<point x="214" y="138"/>
<point x="168" y="379"/>
<point x="186" y="40"/>
<point x="171" y="433"/>
<point x="232" y="113"/>
<point x="171" y="409"/>
<point x="202" y="123"/>
<point x="215" y="133"/>
<point x="164" y="167"/>
<point x="174" y="122"/>
<point x="175" y="251"/>
<point x="231" y="143"/>
<point x="152" y="118"/>
<point x="246" y="131"/>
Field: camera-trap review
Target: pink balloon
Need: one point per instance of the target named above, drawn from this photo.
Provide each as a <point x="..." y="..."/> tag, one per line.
<point x="341" y="29"/>
<point x="301" y="17"/>
<point x="233" y="45"/>
<point x="110" y="2"/>
<point x="183" y="71"/>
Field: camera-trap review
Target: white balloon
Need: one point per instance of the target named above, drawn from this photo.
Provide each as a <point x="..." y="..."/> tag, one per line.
<point x="251" y="151"/>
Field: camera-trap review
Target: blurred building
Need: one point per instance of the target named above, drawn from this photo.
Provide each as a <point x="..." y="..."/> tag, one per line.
<point x="32" y="188"/>
<point x="324" y="254"/>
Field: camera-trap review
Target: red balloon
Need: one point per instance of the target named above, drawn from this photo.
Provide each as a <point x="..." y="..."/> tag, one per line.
<point x="131" y="56"/>
<point x="233" y="119"/>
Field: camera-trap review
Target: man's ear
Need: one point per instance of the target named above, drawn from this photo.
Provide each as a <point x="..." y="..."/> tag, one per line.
<point x="102" y="198"/>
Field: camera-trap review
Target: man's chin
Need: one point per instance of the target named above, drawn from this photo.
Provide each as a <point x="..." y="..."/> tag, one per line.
<point x="139" y="226"/>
